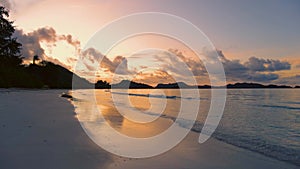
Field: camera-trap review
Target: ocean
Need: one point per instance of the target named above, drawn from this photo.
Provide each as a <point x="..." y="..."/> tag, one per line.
<point x="266" y="121"/>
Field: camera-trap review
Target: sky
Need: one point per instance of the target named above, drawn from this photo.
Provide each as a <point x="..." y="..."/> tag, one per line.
<point x="257" y="41"/>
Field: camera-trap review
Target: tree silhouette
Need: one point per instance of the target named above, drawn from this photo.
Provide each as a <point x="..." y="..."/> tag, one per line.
<point x="9" y="47"/>
<point x="102" y="85"/>
<point x="14" y="74"/>
<point x="35" y="58"/>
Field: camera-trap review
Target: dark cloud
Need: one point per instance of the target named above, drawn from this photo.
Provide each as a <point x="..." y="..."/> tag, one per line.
<point x="266" y="65"/>
<point x="31" y="42"/>
<point x="259" y="77"/>
<point x="7" y="4"/>
<point x="195" y="65"/>
<point x="92" y="59"/>
<point x="176" y="66"/>
<point x="30" y="45"/>
<point x="255" y="69"/>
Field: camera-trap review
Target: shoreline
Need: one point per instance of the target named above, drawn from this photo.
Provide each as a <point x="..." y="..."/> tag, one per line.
<point x="213" y="154"/>
<point x="39" y="130"/>
<point x="42" y="132"/>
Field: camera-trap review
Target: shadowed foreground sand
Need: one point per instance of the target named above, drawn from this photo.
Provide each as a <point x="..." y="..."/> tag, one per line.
<point x="38" y="130"/>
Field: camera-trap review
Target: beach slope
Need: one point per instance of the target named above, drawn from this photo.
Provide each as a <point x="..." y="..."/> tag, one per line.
<point x="38" y="130"/>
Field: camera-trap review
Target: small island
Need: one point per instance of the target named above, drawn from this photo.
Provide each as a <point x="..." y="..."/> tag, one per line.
<point x="126" y="84"/>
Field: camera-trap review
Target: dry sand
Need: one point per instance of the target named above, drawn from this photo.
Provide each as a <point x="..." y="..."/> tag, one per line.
<point x="38" y="130"/>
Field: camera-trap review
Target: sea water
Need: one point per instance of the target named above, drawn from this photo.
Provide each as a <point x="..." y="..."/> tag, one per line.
<point x="266" y="121"/>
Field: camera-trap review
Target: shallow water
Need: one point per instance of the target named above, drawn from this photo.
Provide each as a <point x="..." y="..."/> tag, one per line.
<point x="266" y="121"/>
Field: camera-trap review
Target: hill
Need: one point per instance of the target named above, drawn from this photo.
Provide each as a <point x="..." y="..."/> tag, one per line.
<point x="183" y="85"/>
<point x="44" y="75"/>
<point x="125" y="84"/>
<point x="255" y="85"/>
<point x="174" y="86"/>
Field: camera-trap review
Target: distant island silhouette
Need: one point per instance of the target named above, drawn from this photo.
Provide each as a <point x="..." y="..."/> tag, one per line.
<point x="48" y="75"/>
<point x="126" y="84"/>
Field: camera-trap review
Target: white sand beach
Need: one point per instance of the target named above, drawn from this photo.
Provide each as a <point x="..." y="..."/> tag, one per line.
<point x="39" y="130"/>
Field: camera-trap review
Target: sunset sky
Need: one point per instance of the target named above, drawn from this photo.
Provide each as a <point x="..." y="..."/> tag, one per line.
<point x="259" y="40"/>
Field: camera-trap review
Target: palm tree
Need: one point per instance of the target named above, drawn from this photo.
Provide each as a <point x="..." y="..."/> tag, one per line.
<point x="35" y="57"/>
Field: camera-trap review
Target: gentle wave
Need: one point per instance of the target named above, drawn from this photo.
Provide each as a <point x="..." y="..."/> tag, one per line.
<point x="275" y="120"/>
<point x="290" y="102"/>
<point x="258" y="145"/>
<point x="282" y="107"/>
<point x="253" y="144"/>
<point x="158" y="96"/>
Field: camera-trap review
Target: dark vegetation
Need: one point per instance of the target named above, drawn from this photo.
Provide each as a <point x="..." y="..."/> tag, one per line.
<point x="13" y="74"/>
<point x="45" y="75"/>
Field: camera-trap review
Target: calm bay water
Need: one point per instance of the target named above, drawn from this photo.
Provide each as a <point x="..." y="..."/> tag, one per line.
<point x="263" y="120"/>
<point x="266" y="121"/>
